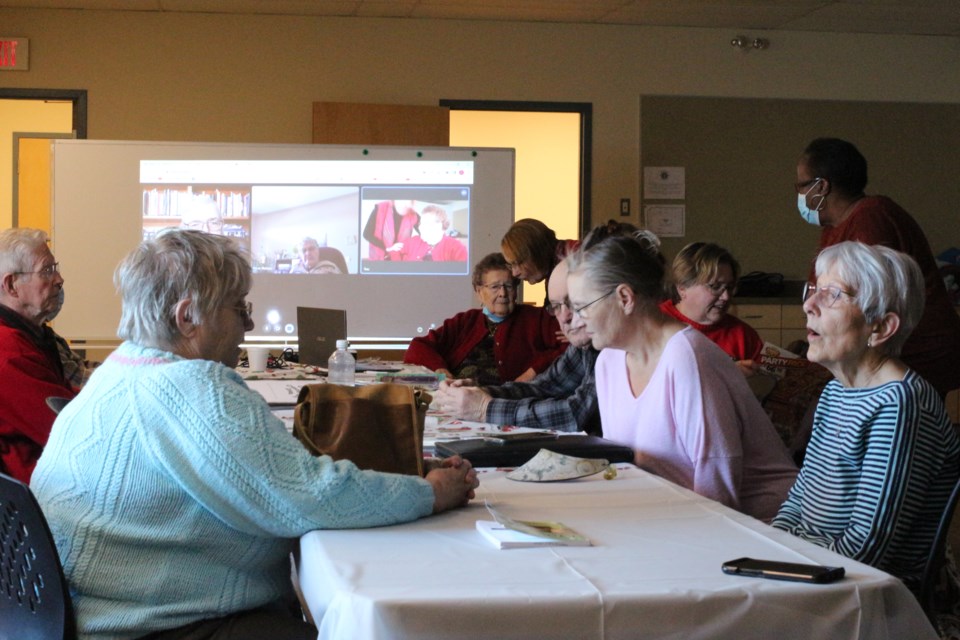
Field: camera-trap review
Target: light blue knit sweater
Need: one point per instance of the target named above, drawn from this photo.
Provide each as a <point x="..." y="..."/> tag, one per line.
<point x="175" y="495"/>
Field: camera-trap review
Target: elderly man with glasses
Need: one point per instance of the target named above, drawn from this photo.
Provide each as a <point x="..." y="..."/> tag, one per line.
<point x="30" y="365"/>
<point x="563" y="398"/>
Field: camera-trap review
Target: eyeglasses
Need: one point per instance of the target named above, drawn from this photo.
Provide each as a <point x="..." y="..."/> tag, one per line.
<point x="210" y="225"/>
<point x="827" y="296"/>
<point x="496" y="287"/>
<point x="800" y="186"/>
<point x="717" y="288"/>
<point x="245" y="309"/>
<point x="579" y="310"/>
<point x="554" y="307"/>
<point x="46" y="273"/>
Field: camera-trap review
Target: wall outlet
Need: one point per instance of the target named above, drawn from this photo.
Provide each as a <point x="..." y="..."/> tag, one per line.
<point x="624" y="206"/>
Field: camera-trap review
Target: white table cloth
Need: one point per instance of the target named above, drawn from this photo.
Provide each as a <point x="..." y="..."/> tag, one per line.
<point x="653" y="572"/>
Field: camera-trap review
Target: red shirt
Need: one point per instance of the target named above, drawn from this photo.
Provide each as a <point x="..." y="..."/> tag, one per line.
<point x="737" y="338"/>
<point x="416" y="248"/>
<point x="933" y="348"/>
<point x="527" y="339"/>
<point x="31" y="372"/>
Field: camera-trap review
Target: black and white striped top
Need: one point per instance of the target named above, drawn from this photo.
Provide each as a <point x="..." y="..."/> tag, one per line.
<point x="879" y="469"/>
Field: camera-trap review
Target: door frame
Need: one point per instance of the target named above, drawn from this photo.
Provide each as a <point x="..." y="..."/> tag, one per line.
<point x="584" y="109"/>
<point x="77" y="96"/>
<point x="17" y="137"/>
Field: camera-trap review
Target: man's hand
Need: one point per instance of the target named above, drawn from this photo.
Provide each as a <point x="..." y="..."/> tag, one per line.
<point x="466" y="403"/>
<point x="526" y="376"/>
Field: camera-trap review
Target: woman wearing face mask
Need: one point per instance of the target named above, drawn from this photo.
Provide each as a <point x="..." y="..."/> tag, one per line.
<point x="831" y="176"/>
<point x="497" y="343"/>
<point x="433" y="243"/>
<point x="705" y="277"/>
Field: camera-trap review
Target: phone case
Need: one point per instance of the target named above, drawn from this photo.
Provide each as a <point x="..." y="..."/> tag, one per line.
<point x="774" y="570"/>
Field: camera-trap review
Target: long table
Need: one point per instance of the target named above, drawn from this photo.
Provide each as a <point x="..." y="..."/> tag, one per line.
<point x="653" y="572"/>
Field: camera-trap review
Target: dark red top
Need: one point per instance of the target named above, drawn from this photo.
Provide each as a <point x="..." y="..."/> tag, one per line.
<point x="30" y="371"/>
<point x="933" y="348"/>
<point x="526" y="339"/>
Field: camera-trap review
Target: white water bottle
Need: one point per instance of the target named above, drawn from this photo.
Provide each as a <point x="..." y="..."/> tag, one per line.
<point x="341" y="367"/>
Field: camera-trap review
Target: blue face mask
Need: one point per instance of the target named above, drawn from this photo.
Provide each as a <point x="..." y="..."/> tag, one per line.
<point x="494" y="318"/>
<point x="56" y="311"/>
<point x="810" y="215"/>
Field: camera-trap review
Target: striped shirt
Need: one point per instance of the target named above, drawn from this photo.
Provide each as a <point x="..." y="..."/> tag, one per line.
<point x="880" y="467"/>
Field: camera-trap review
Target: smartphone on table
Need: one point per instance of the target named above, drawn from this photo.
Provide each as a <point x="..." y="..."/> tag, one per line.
<point x="774" y="570"/>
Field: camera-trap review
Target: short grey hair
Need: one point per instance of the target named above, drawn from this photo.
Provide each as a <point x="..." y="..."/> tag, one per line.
<point x="883" y="281"/>
<point x="634" y="260"/>
<point x="175" y="265"/>
<point x="19" y="247"/>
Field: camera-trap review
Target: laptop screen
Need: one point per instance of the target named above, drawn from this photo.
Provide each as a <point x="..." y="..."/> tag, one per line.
<point x="317" y="333"/>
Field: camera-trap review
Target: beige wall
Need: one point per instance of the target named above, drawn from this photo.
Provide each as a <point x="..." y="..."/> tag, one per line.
<point x="162" y="76"/>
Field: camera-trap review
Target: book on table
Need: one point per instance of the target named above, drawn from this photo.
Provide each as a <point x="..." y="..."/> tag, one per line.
<point x="504" y="538"/>
<point x="507" y="533"/>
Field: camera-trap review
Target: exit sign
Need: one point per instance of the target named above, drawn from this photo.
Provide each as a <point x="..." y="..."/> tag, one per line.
<point x="14" y="54"/>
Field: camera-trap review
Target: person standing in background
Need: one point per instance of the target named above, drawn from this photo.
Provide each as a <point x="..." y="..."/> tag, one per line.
<point x="532" y="250"/>
<point x="391" y="223"/>
<point x="831" y="177"/>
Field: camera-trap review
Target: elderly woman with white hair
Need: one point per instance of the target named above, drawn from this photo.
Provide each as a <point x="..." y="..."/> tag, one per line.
<point x="175" y="496"/>
<point x="883" y="456"/>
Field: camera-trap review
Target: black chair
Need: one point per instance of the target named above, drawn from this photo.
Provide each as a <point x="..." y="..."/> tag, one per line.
<point x="34" y="601"/>
<point x="936" y="559"/>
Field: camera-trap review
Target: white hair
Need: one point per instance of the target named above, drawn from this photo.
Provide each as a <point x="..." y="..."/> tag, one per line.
<point x="19" y="247"/>
<point x="176" y="265"/>
<point x="883" y="281"/>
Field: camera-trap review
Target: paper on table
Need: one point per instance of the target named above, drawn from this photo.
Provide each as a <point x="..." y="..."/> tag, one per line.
<point x="504" y="538"/>
<point x="507" y="533"/>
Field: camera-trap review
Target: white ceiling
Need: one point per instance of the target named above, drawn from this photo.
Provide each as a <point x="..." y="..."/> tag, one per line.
<point x="913" y="17"/>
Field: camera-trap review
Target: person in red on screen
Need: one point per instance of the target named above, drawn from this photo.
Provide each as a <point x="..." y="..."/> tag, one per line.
<point x="30" y="366"/>
<point x="389" y="226"/>
<point x="433" y="243"/>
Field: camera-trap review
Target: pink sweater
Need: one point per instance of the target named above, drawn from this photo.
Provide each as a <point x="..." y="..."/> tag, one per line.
<point x="698" y="425"/>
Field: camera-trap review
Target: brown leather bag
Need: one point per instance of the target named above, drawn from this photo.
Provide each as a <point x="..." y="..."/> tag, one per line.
<point x="377" y="426"/>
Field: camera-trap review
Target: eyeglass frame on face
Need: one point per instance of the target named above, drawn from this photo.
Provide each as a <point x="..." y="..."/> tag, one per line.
<point x="812" y="291"/>
<point x="496" y="287"/>
<point x="579" y="310"/>
<point x="717" y="288"/>
<point x="46" y="273"/>
<point x="245" y="310"/>
<point x="553" y="308"/>
<point x="514" y="265"/>
<point x="799" y="186"/>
